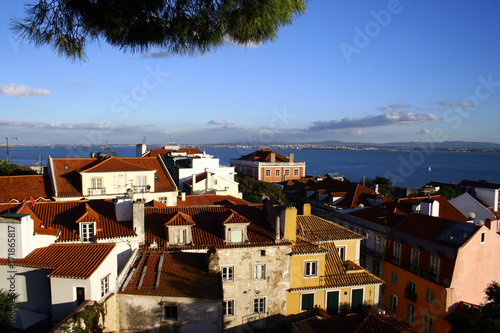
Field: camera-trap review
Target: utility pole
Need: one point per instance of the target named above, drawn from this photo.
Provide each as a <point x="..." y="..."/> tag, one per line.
<point x="7" y="141"/>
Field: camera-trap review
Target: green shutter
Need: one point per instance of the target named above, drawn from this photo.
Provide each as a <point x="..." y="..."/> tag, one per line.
<point x="357" y="300"/>
<point x="332" y="302"/>
<point x="307" y="302"/>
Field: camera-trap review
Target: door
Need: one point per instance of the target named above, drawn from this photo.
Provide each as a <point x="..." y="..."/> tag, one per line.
<point x="80" y="295"/>
<point x="357" y="301"/>
<point x="332" y="302"/>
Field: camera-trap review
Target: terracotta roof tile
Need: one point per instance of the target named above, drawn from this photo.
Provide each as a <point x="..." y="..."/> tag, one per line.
<point x="9" y="207"/>
<point x="66" y="260"/>
<point x="21" y="188"/>
<point x="173" y="274"/>
<point x="209" y="200"/>
<point x="302" y="246"/>
<point x="315" y="229"/>
<point x="157" y="152"/>
<point x="179" y="218"/>
<point x="189" y="151"/>
<point x="113" y="164"/>
<point x="230" y="216"/>
<point x="472" y="183"/>
<point x="263" y="155"/>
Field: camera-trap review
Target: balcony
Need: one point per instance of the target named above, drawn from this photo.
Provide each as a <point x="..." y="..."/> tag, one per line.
<point x="96" y="191"/>
<point x="142" y="188"/>
<point x="372" y="253"/>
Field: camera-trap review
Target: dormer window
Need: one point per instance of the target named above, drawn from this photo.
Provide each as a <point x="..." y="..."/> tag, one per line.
<point x="179" y="229"/>
<point x="87" y="231"/>
<point x="235" y="226"/>
<point x="179" y="236"/>
<point x="235" y="235"/>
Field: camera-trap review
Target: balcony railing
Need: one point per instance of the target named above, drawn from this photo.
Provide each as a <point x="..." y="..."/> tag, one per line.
<point x="372" y="253"/>
<point x="426" y="274"/>
<point x="97" y="191"/>
<point x="142" y="188"/>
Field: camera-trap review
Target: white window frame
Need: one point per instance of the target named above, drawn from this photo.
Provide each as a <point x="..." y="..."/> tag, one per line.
<point x="397" y="253"/>
<point x="268" y="172"/>
<point x="296" y="172"/>
<point x="105" y="286"/>
<point x="310" y="268"/>
<point x="141" y="183"/>
<point x="415" y="257"/>
<point x="259" y="305"/>
<point x="342" y="250"/>
<point x="259" y="272"/>
<point x="483" y="237"/>
<point x="236" y="229"/>
<point x="277" y="172"/>
<point x="429" y="296"/>
<point x="87" y="231"/>
<point x="434" y="267"/>
<point x="287" y="172"/>
<point x="227" y="273"/>
<point x="179" y="236"/>
<point x="393" y="303"/>
<point x="410" y="313"/>
<point x="228" y="307"/>
<point x="314" y="300"/>
<point x="428" y="326"/>
<point x="394" y="278"/>
<point x="96" y="183"/>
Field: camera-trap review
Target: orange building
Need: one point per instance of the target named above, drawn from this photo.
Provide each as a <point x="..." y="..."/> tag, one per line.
<point x="433" y="263"/>
<point x="269" y="166"/>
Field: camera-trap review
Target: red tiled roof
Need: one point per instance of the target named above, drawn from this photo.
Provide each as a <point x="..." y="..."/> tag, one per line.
<point x="179" y="219"/>
<point x="189" y="151"/>
<point x="69" y="183"/>
<point x="209" y="200"/>
<point x="230" y="216"/>
<point x="393" y="212"/>
<point x="302" y="246"/>
<point x="9" y="207"/>
<point x="113" y="164"/>
<point x="173" y="274"/>
<point x="199" y="178"/>
<point x="67" y="260"/>
<point x="315" y="228"/>
<point x="157" y="151"/>
<point x="39" y="226"/>
<point x="472" y="183"/>
<point x="208" y="230"/>
<point x="263" y="155"/>
<point x="21" y="188"/>
<point x="63" y="215"/>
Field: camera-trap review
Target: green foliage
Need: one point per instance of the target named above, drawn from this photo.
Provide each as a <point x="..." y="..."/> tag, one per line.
<point x="448" y="192"/>
<point x="11" y="169"/>
<point x="377" y="180"/>
<point x="87" y="321"/>
<point x="252" y="188"/>
<point x="7" y="305"/>
<point x="179" y="26"/>
<point x="386" y="193"/>
<point x="488" y="318"/>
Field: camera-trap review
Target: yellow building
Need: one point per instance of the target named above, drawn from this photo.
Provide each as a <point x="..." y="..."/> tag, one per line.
<point x="324" y="268"/>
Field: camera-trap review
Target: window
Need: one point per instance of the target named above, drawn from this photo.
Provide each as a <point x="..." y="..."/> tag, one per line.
<point x="259" y="272"/>
<point x="170" y="312"/>
<point x="228" y="308"/>
<point x="262" y="253"/>
<point x="277" y="172"/>
<point x="310" y="268"/>
<point x="393" y="303"/>
<point x="287" y="172"/>
<point x="394" y="278"/>
<point x="259" y="305"/>
<point x="96" y="183"/>
<point x="141" y="183"/>
<point x="428" y="323"/>
<point x="397" y="253"/>
<point x="268" y="173"/>
<point x="362" y="260"/>
<point x="411" y="291"/>
<point x="228" y="274"/>
<point x="376" y="267"/>
<point x="105" y="286"/>
<point x="377" y="242"/>
<point x="296" y="172"/>
<point x="307" y="302"/>
<point x="410" y="313"/>
<point x="435" y="267"/>
<point x="87" y="232"/>
<point x="429" y="296"/>
<point x="236" y="235"/>
<point x="179" y="236"/>
<point x="414" y="257"/>
<point x="341" y="250"/>
<point x="483" y="237"/>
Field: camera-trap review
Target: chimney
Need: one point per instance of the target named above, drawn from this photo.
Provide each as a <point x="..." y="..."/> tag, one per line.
<point x="376" y="188"/>
<point x="306" y="209"/>
<point x="291" y="157"/>
<point x="429" y="207"/>
<point x="208" y="182"/>
<point x="290" y="229"/>
<point x="277" y="228"/>
<point x="138" y="211"/>
<point x="183" y="196"/>
<point x="273" y="157"/>
<point x="140" y="150"/>
<point x="123" y="209"/>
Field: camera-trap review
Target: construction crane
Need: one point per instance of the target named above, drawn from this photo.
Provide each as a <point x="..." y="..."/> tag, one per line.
<point x="7" y="141"/>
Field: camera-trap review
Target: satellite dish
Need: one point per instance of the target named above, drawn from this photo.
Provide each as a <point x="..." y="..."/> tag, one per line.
<point x="471" y="216"/>
<point x="148" y="187"/>
<point x="130" y="192"/>
<point x="480" y="222"/>
<point x="361" y="205"/>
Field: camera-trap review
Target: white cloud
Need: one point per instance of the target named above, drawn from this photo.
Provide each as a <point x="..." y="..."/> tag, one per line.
<point x="392" y="107"/>
<point x="217" y="122"/>
<point x="453" y="104"/>
<point x="20" y="90"/>
<point x="250" y="45"/>
<point x="76" y="82"/>
<point x="425" y="131"/>
<point x="393" y="118"/>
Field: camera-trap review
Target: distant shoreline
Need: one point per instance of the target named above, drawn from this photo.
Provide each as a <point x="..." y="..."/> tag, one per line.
<point x="359" y="147"/>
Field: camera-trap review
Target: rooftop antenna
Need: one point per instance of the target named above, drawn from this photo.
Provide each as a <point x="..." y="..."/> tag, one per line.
<point x="7" y="141"/>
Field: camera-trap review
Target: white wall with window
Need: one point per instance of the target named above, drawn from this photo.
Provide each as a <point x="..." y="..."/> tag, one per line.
<point x="259" y="305"/>
<point x="310" y="268"/>
<point x="259" y="272"/>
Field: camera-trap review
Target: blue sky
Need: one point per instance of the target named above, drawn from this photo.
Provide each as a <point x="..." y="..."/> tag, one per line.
<point x="355" y="71"/>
